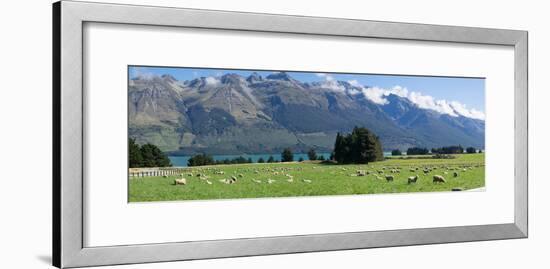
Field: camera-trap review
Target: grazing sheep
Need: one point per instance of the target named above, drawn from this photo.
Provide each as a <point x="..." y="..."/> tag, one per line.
<point x="180" y="181"/>
<point x="165" y="176"/>
<point x="257" y="181"/>
<point x="455" y="174"/>
<point x="189" y="174"/>
<point x="389" y="178"/>
<point x="226" y="181"/>
<point x="233" y="178"/>
<point x="361" y="173"/>
<point x="412" y="170"/>
<point x="380" y="172"/>
<point x="290" y="180"/>
<point x="438" y="179"/>
<point x="208" y="182"/>
<point x="270" y="181"/>
<point x="412" y="179"/>
<point x="306" y="180"/>
<point x="220" y="172"/>
<point x="445" y="173"/>
<point x="241" y="175"/>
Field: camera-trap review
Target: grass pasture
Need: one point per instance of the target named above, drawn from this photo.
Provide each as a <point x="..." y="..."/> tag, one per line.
<point x="311" y="179"/>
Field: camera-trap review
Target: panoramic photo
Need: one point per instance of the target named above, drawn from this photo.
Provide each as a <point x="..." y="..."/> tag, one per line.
<point x="210" y="133"/>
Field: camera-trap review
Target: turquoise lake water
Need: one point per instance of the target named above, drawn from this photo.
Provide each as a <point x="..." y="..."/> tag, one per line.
<point x="181" y="161"/>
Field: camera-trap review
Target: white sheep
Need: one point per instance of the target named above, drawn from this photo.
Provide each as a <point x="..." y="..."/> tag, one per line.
<point x="438" y="179"/>
<point x="389" y="178"/>
<point x="412" y="179"/>
<point x="180" y="181"/>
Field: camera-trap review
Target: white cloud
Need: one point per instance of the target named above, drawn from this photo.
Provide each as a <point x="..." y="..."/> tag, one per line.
<point x="330" y="82"/>
<point x="333" y="85"/>
<point x="453" y="108"/>
<point x="355" y="83"/>
<point x="211" y="81"/>
<point x="375" y="94"/>
<point x="327" y="77"/>
<point x="463" y="110"/>
<point x="141" y="73"/>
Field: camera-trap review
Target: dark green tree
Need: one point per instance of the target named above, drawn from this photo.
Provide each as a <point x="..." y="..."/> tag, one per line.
<point x="471" y="150"/>
<point x="312" y="155"/>
<point x="287" y="155"/>
<point x="271" y="159"/>
<point x="134" y="154"/>
<point x="420" y="151"/>
<point x="361" y="146"/>
<point x="301" y="159"/>
<point x="365" y="146"/>
<point x="339" y="148"/>
<point x="261" y="160"/>
<point x="396" y="152"/>
<point x="153" y="156"/>
<point x="321" y="158"/>
<point x="202" y="159"/>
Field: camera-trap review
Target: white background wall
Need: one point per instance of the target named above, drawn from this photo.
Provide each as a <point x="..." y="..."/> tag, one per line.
<point x="25" y="133"/>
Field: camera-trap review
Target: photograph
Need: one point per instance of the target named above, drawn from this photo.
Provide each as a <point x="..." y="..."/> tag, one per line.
<point x="211" y="133"/>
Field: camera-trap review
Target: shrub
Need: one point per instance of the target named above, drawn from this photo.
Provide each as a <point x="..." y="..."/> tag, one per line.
<point x="312" y="155"/>
<point x="396" y="152"/>
<point x="200" y="159"/>
<point x="287" y="155"/>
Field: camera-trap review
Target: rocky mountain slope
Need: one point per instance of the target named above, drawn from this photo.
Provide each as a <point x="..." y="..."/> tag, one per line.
<point x="232" y="114"/>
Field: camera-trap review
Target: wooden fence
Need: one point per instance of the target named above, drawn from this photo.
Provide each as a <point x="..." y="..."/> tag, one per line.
<point x="152" y="172"/>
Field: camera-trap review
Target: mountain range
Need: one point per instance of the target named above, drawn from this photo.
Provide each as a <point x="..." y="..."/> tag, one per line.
<point x="232" y="114"/>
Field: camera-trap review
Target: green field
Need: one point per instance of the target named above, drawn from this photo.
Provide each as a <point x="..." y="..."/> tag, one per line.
<point x="311" y="179"/>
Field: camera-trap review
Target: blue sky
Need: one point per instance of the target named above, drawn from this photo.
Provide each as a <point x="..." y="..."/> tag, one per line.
<point x="467" y="91"/>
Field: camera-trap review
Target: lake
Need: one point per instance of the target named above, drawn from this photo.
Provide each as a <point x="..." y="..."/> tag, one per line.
<point x="181" y="161"/>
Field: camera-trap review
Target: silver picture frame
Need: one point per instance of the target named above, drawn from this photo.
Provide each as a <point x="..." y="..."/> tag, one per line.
<point x="68" y="229"/>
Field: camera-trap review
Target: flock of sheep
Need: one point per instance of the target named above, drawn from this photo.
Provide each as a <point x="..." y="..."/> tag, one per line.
<point x="390" y="173"/>
<point x="201" y="173"/>
<point x="271" y="175"/>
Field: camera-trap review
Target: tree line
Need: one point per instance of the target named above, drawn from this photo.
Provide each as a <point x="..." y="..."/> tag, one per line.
<point x="442" y="150"/>
<point x="147" y="155"/>
<point x="286" y="156"/>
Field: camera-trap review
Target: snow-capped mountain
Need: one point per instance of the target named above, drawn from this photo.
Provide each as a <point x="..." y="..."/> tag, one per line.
<point x="231" y="114"/>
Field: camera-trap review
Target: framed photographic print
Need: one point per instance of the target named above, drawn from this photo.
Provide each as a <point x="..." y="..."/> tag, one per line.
<point x="185" y="134"/>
